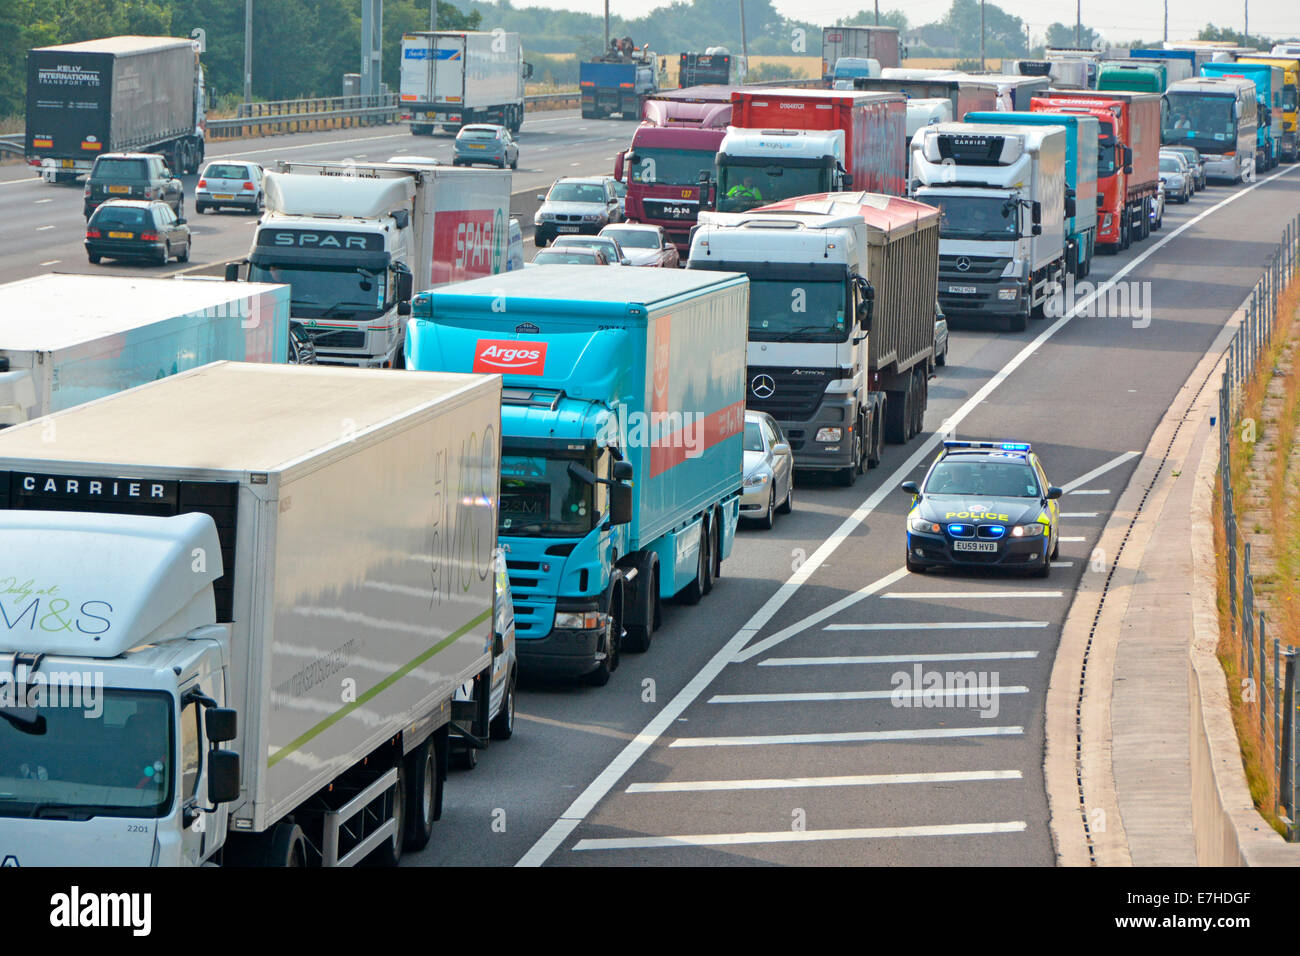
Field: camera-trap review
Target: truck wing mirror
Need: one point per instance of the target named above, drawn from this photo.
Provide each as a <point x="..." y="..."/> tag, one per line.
<point x="405" y="286"/>
<point x="620" y="504"/>
<point x="223" y="776"/>
<point x="222" y="724"/>
<point x="1036" y="213"/>
<point x="1128" y="159"/>
<point x="623" y="471"/>
<point x="401" y="218"/>
<point x="618" y="166"/>
<point x="868" y="294"/>
<point x="232" y="271"/>
<point x="1069" y="207"/>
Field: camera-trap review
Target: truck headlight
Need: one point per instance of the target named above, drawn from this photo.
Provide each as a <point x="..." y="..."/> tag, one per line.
<point x="1105" y="222"/>
<point x="580" y="621"/>
<point x="1008" y="295"/>
<point x="1028" y="530"/>
<point x="830" y="434"/>
<point x="924" y="524"/>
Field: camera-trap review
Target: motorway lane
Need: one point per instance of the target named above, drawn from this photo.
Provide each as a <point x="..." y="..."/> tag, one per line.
<point x="1088" y="396"/>
<point x="44" y="225"/>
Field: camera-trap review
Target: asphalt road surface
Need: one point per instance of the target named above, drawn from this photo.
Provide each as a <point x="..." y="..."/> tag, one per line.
<point x="760" y="729"/>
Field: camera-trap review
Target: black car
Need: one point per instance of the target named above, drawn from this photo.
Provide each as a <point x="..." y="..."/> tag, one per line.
<point x="131" y="229"/>
<point x="984" y="504"/>
<point x="132" y="176"/>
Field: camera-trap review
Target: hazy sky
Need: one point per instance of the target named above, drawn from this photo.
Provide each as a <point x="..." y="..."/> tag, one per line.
<point x="1116" y="19"/>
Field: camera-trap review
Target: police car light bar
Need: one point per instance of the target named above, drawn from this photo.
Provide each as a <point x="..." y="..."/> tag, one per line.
<point x="999" y="445"/>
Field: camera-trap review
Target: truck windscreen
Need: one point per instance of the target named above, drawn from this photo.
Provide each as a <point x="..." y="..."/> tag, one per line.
<point x="976" y="217"/>
<point x="671" y="167"/>
<point x="327" y="293"/>
<point x="1107" y="150"/>
<point x="742" y="187"/>
<point x="1289" y="103"/>
<point x="84" y="751"/>
<point x="1194" y="119"/>
<point x="539" y="497"/>
<point x="790" y="310"/>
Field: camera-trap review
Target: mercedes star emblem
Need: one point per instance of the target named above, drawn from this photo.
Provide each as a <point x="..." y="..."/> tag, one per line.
<point x="963" y="263"/>
<point x="762" y="386"/>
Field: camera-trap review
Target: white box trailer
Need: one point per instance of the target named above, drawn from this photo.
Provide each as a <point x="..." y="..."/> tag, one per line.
<point x="352" y="241"/>
<point x="451" y="79"/>
<point x="301" y="557"/>
<point x="68" y="339"/>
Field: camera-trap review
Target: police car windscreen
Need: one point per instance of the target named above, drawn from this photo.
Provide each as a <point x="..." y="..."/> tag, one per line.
<point x="986" y="479"/>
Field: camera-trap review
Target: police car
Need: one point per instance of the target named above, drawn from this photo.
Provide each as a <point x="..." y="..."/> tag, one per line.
<point x="984" y="503"/>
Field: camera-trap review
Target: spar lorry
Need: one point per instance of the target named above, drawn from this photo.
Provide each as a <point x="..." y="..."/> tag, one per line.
<point x="352" y="242"/>
<point x="274" y="579"/>
<point x="1001" y="189"/>
<point x="675" y="143"/>
<point x="622" y="423"/>
<point x="865" y="42"/>
<point x="453" y="79"/>
<point x="789" y="142"/>
<point x="114" y="95"/>
<point x="1081" y="150"/>
<point x="1268" y="80"/>
<point x="1289" y="138"/>
<point x="841" y="318"/>
<point x="1219" y="116"/>
<point x="1128" y="162"/>
<point x="68" y="339"/>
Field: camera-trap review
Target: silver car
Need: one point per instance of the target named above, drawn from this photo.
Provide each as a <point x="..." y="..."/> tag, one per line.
<point x="1177" y="177"/>
<point x="230" y="183"/>
<point x="505" y="671"/>
<point x="940" y="336"/>
<point x="606" y="244"/>
<point x="769" y="470"/>
<point x="575" y="206"/>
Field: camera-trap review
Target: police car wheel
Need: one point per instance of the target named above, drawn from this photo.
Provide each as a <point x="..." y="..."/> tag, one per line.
<point x="913" y="566"/>
<point x="1056" y="549"/>
<point x="1044" y="569"/>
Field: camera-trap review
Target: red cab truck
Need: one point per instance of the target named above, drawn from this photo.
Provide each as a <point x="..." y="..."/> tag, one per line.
<point x="873" y="125"/>
<point x="677" y="140"/>
<point x="1128" y="166"/>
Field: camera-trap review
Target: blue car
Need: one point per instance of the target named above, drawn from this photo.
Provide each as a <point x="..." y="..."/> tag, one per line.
<point x="483" y="144"/>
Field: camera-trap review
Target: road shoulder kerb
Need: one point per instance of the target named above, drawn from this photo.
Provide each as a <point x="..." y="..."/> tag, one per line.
<point x="1085" y="821"/>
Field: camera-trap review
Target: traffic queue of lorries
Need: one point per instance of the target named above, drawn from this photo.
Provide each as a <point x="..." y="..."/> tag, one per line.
<point x="284" y="597"/>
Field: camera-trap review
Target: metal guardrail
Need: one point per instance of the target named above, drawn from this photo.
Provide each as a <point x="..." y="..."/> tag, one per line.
<point x="13" y="143"/>
<point x="1270" y="689"/>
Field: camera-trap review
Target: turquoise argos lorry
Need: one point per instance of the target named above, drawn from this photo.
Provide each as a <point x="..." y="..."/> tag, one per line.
<point x="622" y="418"/>
<point x="1268" y="80"/>
<point x="1081" y="151"/>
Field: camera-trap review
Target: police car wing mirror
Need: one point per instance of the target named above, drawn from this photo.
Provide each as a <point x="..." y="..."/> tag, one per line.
<point x="911" y="487"/>
<point x="1053" y="493"/>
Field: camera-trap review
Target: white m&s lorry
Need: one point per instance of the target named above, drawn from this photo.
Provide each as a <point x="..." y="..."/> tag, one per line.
<point x="265" y="584"/>
<point x="353" y="241"/>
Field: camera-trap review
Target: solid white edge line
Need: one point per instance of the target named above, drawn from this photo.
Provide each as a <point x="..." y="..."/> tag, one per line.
<point x="1099" y="470"/>
<point x="799" y="836"/>
<point x="604" y="782"/>
<point x="846" y="736"/>
<point x="832" y="696"/>
<point x="841" y="659"/>
<point x="856" y="780"/>
<point x="958" y="595"/>
<point x="936" y="626"/>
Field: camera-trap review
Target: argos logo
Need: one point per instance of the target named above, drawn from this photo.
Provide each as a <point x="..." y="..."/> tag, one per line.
<point x="510" y="358"/>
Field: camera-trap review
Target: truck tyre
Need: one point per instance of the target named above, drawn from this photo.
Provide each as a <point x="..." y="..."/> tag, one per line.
<point x="467" y="757"/>
<point x="897" y="413"/>
<point x="876" y="450"/>
<point x="692" y="593"/>
<point x="920" y="400"/>
<point x="389" y="852"/>
<point x="421" y="796"/>
<point x="1018" y="322"/>
<point x="613" y="639"/>
<point x="641" y="625"/>
<point x="286" y="847"/>
<point x="848" y="475"/>
<point x="712" y="568"/>
<point x="503" y="724"/>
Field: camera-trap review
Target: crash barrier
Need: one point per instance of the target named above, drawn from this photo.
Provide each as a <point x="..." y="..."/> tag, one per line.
<point x="1268" y="670"/>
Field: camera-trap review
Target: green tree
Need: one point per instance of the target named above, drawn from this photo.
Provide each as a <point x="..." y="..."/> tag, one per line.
<point x="1063" y="34"/>
<point x="1229" y="35"/>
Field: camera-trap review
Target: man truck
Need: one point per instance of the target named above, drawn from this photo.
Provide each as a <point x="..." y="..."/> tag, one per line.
<point x="866" y="42"/>
<point x="114" y="95"/>
<point x="785" y="143"/>
<point x="1001" y="190"/>
<point x="1128" y="161"/>
<point x="354" y="241"/>
<point x="453" y="79"/>
<point x="841" y="318"/>
<point x="1081" y="150"/>
<point x="274" y="580"/>
<point x="622" y="423"/>
<point x="68" y="339"/>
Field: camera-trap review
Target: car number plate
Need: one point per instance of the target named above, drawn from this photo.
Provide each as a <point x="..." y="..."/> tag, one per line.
<point x="121" y="235"/>
<point x="477" y="146"/>
<point x="119" y="189"/>
<point x="566" y="228"/>
<point x="223" y="196"/>
<point x="963" y="289"/>
<point x="974" y="546"/>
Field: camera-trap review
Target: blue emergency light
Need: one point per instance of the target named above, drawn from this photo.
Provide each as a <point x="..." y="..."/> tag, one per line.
<point x="999" y="445"/>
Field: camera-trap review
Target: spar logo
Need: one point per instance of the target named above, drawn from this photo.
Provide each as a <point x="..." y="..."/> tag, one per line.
<point x="510" y="358"/>
<point x="465" y="244"/>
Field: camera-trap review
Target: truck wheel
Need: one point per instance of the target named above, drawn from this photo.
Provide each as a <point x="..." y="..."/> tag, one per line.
<point x="711" y="568"/>
<point x="286" y="846"/>
<point x="692" y="593"/>
<point x="467" y="758"/>
<point x="877" y="450"/>
<point x="613" y="639"/>
<point x="848" y="475"/>
<point x="421" y="796"/>
<point x="897" y="412"/>
<point x="637" y="636"/>
<point x="1018" y="322"/>
<point x="922" y="383"/>
<point x="503" y="724"/>
<point x="389" y="852"/>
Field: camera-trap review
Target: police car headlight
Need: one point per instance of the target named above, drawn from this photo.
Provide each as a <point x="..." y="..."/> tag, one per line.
<point x="923" y="524"/>
<point x="829" y="434"/>
<point x="1028" y="530"/>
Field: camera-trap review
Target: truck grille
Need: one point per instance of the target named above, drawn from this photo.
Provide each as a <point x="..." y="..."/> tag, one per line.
<point x="669" y="209"/>
<point x="979" y="267"/>
<point x="338" y="339"/>
<point x="787" y="394"/>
